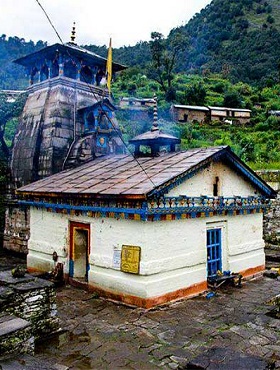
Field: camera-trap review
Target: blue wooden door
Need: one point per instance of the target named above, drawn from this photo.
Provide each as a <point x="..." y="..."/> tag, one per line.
<point x="214" y="251"/>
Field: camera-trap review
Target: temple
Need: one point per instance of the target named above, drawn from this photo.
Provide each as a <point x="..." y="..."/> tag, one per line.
<point x="144" y="228"/>
<point x="63" y="79"/>
<point x="68" y="118"/>
<point x="154" y="140"/>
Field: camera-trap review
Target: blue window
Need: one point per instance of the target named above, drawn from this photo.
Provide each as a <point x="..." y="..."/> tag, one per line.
<point x="214" y="251"/>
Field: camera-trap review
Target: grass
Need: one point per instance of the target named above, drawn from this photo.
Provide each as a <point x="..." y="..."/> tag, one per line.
<point x="264" y="165"/>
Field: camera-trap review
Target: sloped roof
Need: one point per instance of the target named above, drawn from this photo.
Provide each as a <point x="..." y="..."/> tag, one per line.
<point x="122" y="175"/>
<point x="70" y="49"/>
<point x="229" y="109"/>
<point x="191" y="107"/>
<point x="154" y="136"/>
<point x="100" y="103"/>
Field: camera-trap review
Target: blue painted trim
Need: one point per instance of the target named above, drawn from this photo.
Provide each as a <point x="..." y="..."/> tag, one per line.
<point x="194" y="210"/>
<point x="71" y="268"/>
<point x="214" y="251"/>
<point x="145" y="212"/>
<point x="103" y="210"/>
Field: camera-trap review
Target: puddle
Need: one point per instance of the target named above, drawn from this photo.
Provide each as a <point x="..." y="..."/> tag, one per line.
<point x="61" y="339"/>
<point x="56" y="340"/>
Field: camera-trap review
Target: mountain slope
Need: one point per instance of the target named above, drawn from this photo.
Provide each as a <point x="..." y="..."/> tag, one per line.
<point x="239" y="38"/>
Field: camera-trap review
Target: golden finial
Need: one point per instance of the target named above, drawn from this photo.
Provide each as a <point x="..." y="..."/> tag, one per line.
<point x="73" y="33"/>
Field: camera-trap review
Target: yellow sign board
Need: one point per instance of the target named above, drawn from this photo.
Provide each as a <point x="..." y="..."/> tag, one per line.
<point x="130" y="259"/>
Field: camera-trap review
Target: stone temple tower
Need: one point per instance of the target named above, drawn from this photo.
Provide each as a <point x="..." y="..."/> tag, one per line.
<point x="68" y="118"/>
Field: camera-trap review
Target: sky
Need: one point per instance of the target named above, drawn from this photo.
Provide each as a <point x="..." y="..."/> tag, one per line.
<point x="125" y="21"/>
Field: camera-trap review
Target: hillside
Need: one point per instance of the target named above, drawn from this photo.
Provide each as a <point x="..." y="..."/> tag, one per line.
<point x="239" y="39"/>
<point x="13" y="76"/>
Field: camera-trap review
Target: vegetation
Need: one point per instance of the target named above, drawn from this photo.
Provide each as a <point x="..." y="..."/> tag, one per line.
<point x="13" y="76"/>
<point x="227" y="55"/>
<point x="164" y="59"/>
<point x="257" y="143"/>
<point x="9" y="114"/>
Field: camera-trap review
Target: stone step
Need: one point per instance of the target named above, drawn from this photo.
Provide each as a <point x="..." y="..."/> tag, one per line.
<point x="15" y="336"/>
<point x="272" y="255"/>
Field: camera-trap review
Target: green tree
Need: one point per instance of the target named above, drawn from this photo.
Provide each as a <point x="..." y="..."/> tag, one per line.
<point x="8" y="111"/>
<point x="195" y="94"/>
<point x="232" y="99"/>
<point x="164" y="58"/>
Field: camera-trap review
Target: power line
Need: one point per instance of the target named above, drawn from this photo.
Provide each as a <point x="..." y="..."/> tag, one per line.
<point x="97" y="97"/>
<point x="48" y="18"/>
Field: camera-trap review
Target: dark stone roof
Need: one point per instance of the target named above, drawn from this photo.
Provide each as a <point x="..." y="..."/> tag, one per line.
<point x="153" y="137"/>
<point x="69" y="49"/>
<point x="100" y="103"/>
<point x="122" y="175"/>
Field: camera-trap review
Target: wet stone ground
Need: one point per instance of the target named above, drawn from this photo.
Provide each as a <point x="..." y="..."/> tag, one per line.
<point x="232" y="330"/>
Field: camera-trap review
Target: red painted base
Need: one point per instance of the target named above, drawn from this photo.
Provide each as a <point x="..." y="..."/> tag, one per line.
<point x="132" y="300"/>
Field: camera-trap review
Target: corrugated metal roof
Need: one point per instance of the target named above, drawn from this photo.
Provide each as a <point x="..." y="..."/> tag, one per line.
<point x="230" y="109"/>
<point x="191" y="107"/>
<point x="121" y="174"/>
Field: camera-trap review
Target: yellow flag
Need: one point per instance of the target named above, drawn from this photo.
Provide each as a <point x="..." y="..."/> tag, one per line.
<point x="109" y="66"/>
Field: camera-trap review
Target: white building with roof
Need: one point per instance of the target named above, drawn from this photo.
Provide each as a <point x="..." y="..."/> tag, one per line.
<point x="150" y="230"/>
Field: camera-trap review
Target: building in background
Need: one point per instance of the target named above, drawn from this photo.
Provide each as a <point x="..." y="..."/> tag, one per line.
<point x="201" y="114"/>
<point x="62" y="123"/>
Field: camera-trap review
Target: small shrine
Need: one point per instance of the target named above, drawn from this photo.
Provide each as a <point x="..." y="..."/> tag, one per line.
<point x="99" y="121"/>
<point x="154" y="139"/>
<point x="143" y="228"/>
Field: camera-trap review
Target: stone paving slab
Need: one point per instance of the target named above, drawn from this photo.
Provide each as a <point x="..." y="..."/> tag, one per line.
<point x="226" y="359"/>
<point x="9" y="324"/>
<point x="230" y="331"/>
<point x="6" y="278"/>
<point x="233" y="330"/>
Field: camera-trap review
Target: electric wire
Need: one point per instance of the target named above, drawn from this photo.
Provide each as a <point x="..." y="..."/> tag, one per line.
<point x="97" y="98"/>
<point x="48" y="18"/>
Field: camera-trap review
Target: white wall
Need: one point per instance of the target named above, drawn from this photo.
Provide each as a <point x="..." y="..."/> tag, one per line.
<point x="245" y="242"/>
<point x="173" y="253"/>
<point x="48" y="233"/>
<point x="230" y="183"/>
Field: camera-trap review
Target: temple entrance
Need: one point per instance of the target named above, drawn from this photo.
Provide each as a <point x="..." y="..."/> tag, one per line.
<point x="79" y="251"/>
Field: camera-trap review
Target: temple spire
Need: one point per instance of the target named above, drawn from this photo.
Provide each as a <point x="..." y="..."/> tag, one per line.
<point x="73" y="34"/>
<point x="155" y="118"/>
<point x="154" y="139"/>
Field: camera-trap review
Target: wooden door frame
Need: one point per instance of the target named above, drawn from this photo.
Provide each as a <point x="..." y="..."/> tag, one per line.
<point x="73" y="227"/>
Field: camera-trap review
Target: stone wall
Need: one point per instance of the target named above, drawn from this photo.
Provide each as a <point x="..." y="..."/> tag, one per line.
<point x="16" y="336"/>
<point x="17" y="227"/>
<point x="271" y="223"/>
<point x="272" y="177"/>
<point x="31" y="299"/>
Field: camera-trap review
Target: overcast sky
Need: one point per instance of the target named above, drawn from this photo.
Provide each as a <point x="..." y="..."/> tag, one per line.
<point x="126" y="21"/>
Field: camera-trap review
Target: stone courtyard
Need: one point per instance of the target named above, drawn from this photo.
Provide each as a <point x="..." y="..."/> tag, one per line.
<point x="235" y="329"/>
